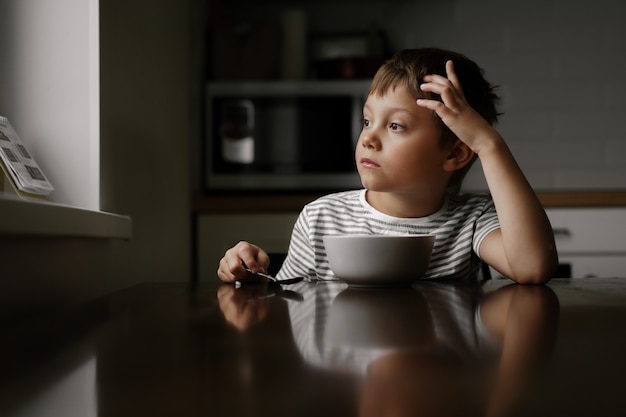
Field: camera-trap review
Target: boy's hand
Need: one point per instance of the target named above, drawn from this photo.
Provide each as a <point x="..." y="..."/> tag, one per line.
<point x="454" y="111"/>
<point x="236" y="259"/>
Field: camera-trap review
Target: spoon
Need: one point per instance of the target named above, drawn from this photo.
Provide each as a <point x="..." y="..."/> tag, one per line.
<point x="272" y="279"/>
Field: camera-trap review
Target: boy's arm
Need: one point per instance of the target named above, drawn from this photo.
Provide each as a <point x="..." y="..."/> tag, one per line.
<point x="523" y="249"/>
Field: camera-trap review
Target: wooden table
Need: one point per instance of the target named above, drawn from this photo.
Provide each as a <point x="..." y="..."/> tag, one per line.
<point x="165" y="349"/>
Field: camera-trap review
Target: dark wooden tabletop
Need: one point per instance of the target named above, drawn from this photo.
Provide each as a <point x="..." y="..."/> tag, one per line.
<point x="170" y="349"/>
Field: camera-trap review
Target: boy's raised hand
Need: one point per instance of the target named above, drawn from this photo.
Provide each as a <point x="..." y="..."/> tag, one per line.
<point x="523" y="248"/>
<point x="236" y="259"/>
<point x="454" y="111"/>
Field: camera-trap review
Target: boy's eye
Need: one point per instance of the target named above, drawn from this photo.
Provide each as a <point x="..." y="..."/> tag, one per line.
<point x="395" y="126"/>
<point x="366" y="123"/>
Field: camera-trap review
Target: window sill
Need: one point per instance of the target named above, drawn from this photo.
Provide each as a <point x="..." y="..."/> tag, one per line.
<point x="41" y="218"/>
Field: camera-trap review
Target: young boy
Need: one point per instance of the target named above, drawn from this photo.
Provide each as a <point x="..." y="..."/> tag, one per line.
<point x="428" y="116"/>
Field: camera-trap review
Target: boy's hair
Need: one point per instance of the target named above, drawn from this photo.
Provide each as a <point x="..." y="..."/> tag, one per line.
<point x="408" y="67"/>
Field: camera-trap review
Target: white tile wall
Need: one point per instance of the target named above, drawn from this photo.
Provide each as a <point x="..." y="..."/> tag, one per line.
<point x="561" y="68"/>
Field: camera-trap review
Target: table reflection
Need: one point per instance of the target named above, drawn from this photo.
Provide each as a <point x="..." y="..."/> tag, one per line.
<point x="442" y="348"/>
<point x="168" y="349"/>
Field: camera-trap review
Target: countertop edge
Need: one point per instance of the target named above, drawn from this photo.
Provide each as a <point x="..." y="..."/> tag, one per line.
<point x="295" y="202"/>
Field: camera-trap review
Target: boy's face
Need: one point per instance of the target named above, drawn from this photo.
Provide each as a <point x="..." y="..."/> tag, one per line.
<point x="399" y="150"/>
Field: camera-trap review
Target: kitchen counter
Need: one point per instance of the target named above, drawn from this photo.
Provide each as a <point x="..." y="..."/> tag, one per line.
<point x="295" y="201"/>
<point x="161" y="349"/>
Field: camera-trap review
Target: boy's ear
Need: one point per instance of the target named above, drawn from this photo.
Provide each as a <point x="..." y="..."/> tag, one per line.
<point x="459" y="156"/>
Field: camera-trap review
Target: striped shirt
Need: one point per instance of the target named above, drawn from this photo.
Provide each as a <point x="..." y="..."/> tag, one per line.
<point x="459" y="226"/>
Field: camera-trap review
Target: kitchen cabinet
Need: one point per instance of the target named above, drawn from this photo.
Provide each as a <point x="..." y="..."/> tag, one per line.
<point x="592" y="241"/>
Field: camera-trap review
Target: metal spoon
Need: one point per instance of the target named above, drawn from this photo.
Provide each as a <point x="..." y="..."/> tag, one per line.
<point x="272" y="279"/>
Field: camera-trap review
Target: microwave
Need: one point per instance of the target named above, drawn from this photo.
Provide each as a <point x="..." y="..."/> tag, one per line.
<point x="283" y="135"/>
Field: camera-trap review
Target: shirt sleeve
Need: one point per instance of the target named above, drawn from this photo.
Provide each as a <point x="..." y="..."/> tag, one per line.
<point x="300" y="260"/>
<point x="486" y="223"/>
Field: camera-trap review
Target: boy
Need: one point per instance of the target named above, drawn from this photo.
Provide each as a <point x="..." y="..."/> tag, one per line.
<point x="428" y="116"/>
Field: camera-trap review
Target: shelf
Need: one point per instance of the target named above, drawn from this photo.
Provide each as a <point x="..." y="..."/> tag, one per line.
<point x="35" y="218"/>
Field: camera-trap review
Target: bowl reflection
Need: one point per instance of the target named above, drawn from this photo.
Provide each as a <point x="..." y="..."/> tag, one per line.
<point x="381" y="318"/>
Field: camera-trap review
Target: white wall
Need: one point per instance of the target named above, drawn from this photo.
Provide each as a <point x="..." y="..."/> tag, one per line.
<point x="50" y="91"/>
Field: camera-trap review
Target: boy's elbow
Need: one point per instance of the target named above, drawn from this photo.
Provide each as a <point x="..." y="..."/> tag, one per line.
<point x="540" y="272"/>
<point x="533" y="279"/>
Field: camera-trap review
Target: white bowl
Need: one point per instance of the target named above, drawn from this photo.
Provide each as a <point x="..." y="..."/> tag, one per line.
<point x="379" y="260"/>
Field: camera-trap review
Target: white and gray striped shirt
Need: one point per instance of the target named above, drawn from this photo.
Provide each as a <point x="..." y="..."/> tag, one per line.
<point x="460" y="226"/>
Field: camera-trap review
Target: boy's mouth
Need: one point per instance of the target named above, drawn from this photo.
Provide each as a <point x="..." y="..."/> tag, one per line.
<point x="368" y="163"/>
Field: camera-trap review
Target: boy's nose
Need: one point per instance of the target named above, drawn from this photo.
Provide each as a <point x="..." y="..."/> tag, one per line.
<point x="370" y="140"/>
